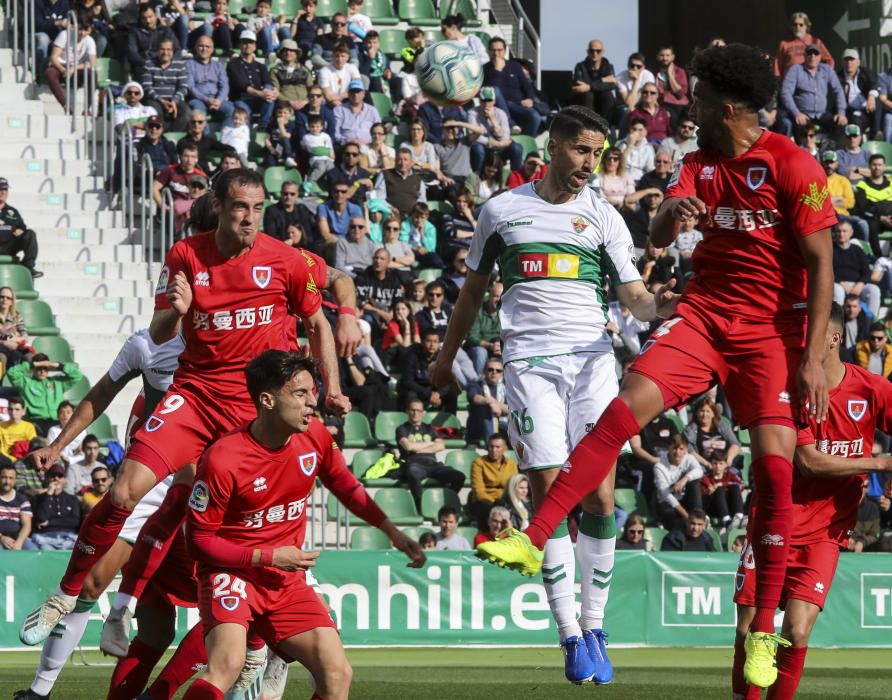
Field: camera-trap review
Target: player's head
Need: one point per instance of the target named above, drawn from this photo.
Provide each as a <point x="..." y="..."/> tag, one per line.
<point x="734" y="83"/>
<point x="835" y="330"/>
<point x="282" y="386"/>
<point x="576" y="140"/>
<point x="238" y="203"/>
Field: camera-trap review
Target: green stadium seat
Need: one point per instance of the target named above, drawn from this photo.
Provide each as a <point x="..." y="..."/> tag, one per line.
<point x="446" y="420"/>
<point x="432" y="36"/>
<point x="469" y="533"/>
<point x="465" y="7"/>
<point x="381" y="13"/>
<point x="630" y="501"/>
<point x="881" y="147"/>
<point x="743" y="434"/>
<point x="76" y="393"/>
<point x="384" y="105"/>
<point x="174" y="136"/>
<point x="675" y="418"/>
<point x="103" y="429"/>
<point x="363" y="459"/>
<point x="357" y="431"/>
<point x="419" y="13"/>
<point x="745" y="470"/>
<point x="334" y="508"/>
<point x="443" y="207"/>
<point x="527" y="143"/>
<point x="276" y="175"/>
<point x="399" y="506"/>
<point x="54" y="346"/>
<point x="368" y="538"/>
<point x="19" y="278"/>
<point x="38" y="317"/>
<point x="435" y="498"/>
<point x="289" y="8"/>
<point x="392" y="42"/>
<point x="461" y="460"/>
<point x="386" y="423"/>
<point x="109" y="71"/>
<point x="733" y="535"/>
<point x="429" y="274"/>
<point x="716" y="539"/>
<point x="327" y="8"/>
<point x="655" y="535"/>
<point x="416" y="532"/>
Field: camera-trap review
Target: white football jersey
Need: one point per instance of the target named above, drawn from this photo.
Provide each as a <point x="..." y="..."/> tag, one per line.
<point x="139" y="356"/>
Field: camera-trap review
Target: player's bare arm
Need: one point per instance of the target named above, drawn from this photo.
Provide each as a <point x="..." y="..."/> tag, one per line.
<point x="347" y="334"/>
<point x="165" y="322"/>
<point x="288" y="558"/>
<point x="812" y="462"/>
<point x="468" y="304"/>
<point x="404" y="544"/>
<point x="646" y="306"/>
<point x="323" y="349"/>
<point x="817" y="249"/>
<point x="674" y="211"/>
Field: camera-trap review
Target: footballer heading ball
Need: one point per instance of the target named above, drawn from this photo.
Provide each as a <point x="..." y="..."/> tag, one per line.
<point x="449" y="73"/>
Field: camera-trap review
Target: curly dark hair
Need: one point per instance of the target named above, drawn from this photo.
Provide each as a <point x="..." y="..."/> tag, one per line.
<point x="742" y="73"/>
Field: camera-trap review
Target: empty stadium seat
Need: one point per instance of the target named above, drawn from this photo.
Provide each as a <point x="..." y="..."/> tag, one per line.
<point x="327" y="8"/>
<point x="527" y="143"/>
<point x="103" y="430"/>
<point x="53" y="346"/>
<point x="76" y="393"/>
<point x="276" y="175"/>
<point x="368" y="538"/>
<point x="655" y="535"/>
<point x="433" y="499"/>
<point x="384" y="105"/>
<point x="357" y="431"/>
<point x="630" y="501"/>
<point x="416" y="532"/>
<point x="392" y="42"/>
<point x="38" y="317"/>
<point x="381" y="13"/>
<point x="716" y="539"/>
<point x="465" y="7"/>
<point x="419" y="13"/>
<point x="109" y="71"/>
<point x="461" y="460"/>
<point x="386" y="423"/>
<point x="399" y="506"/>
<point x="469" y="533"/>
<point x="19" y="278"/>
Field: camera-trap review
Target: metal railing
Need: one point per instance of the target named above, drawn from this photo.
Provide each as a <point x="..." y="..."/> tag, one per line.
<point x="24" y="39"/>
<point x="524" y="39"/>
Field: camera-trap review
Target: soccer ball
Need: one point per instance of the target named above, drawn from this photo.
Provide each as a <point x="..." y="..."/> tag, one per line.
<point x="449" y="73"/>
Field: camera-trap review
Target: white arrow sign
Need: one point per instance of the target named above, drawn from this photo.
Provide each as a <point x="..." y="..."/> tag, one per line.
<point x="845" y="25"/>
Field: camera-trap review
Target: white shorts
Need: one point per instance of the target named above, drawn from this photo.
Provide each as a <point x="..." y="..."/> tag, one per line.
<point x="148" y="505"/>
<point x="554" y="402"/>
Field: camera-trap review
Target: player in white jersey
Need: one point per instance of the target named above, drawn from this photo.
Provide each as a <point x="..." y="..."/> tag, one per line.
<point x="557" y="244"/>
<point x="138" y="357"/>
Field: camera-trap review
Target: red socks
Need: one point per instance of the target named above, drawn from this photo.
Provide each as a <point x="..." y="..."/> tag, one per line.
<point x="132" y="672"/>
<point x="202" y="690"/>
<point x="154" y="540"/>
<point x="772" y="529"/>
<point x="97" y="534"/>
<point x="190" y="654"/>
<point x="790" y="662"/>
<point x="738" y="684"/>
<point x="590" y="463"/>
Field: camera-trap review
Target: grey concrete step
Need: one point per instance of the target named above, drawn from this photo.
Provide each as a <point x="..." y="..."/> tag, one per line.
<point x="39" y="183"/>
<point x="12" y="168"/>
<point x="61" y="249"/>
<point x="90" y="237"/>
<point x="100" y="271"/>
<point x="80" y="304"/>
<point x="57" y="217"/>
<point x="104" y="323"/>
<point x="21" y="144"/>
<point x="84" y="201"/>
<point x="88" y="287"/>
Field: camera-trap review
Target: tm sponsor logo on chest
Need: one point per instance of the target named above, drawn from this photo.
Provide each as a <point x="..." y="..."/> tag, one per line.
<point x="549" y="265"/>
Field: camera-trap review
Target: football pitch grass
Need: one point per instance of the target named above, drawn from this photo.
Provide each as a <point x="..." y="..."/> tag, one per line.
<point x="517" y="674"/>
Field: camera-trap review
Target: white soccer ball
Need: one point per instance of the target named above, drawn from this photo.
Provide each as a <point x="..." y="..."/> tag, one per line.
<point x="449" y="73"/>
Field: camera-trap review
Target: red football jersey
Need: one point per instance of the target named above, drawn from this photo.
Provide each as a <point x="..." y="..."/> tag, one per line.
<point x="827" y="509"/>
<point x="749" y="263"/>
<point x="252" y="496"/>
<point x="240" y="307"/>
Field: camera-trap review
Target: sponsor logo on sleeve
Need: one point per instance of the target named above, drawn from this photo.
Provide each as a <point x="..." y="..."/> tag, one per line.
<point x="163" y="279"/>
<point x="857" y="408"/>
<point x="815" y="197"/>
<point x="307" y="463"/>
<point x="262" y="274"/>
<point x="198" y="501"/>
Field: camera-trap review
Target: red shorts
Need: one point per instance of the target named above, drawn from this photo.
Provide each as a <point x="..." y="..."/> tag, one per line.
<point x="275" y="613"/>
<point x="174" y="583"/>
<point x="756" y="362"/>
<point x="183" y="424"/>
<point x="810" y="571"/>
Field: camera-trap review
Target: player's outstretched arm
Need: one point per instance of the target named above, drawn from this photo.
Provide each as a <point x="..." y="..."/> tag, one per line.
<point x="646" y="306"/>
<point x="812" y="462"/>
<point x="466" y="307"/>
<point x="817" y="249"/>
<point x="405" y="544"/>
<point x="666" y="225"/>
<point x="323" y="349"/>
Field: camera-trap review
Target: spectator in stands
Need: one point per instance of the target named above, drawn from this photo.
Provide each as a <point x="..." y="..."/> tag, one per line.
<point x="144" y="39"/>
<point x="421" y="235"/>
<point x="268" y="28"/>
<point x="856" y="327"/>
<point x="250" y="86"/>
<point x="722" y="492"/>
<point x="279" y="138"/>
<point x="131" y="112"/>
<point x="419" y="443"/>
<point x="286" y="212"/>
<point x="160" y="150"/>
<point x="806" y="94"/>
<point x="842" y="195"/>
<point x="454" y="279"/>
<point x="72" y="450"/>
<point x="198" y="136"/>
<point x="15" y="512"/>
<point x="452" y="26"/>
<point x="16" y="428"/>
<point x="625" y="331"/>
<point x="415" y="381"/>
<point x="207" y="83"/>
<point x="317" y="148"/>
<point x="354" y="118"/>
<point x="639" y="220"/>
<point x="873" y="201"/>
<point x="594" y="83"/>
<point x="657" y="266"/>
<point x="682" y="142"/>
<point x="166" y="85"/>
<point x="486" y="330"/>
<point x="656" y="119"/>
<point x="101" y="481"/>
<point x="78" y="477"/>
<point x="401" y="255"/>
<point x="14" y="346"/>
<point x="490" y="474"/>
<point x="221" y="26"/>
<point x="496" y="135"/>
<point x="447" y="537"/>
<point x="650" y="448"/>
<point x="358" y="24"/>
<point x="633" y="534"/>
<point x="875" y="353"/>
<point x="631" y="81"/>
<point x="689" y="535"/>
<point x="791" y="52"/>
<point x="29" y="480"/>
<point x="497" y="520"/>
<point x="638" y="153"/>
<point x="487" y="402"/>
<point x="50" y="18"/>
<point x="410" y="90"/>
<point x="517" y="500"/>
<point x="854" y="161"/>
<point x="489" y="182"/>
<point x="435" y="314"/>
<point x="400" y="333"/>
<point x="334" y="216"/>
<point x="433" y="117"/>
<point x="335" y="79"/>
<point x="512" y="86"/>
<point x="851" y="270"/>
<point x="84" y="59"/>
<point x="737" y="545"/>
<point x="354" y="252"/>
<point x="306" y="27"/>
<point x="56" y="514"/>
<point x="291" y="77"/>
<point x="43" y="393"/>
<point x="424" y="156"/>
<point x="177" y="178"/>
<point x="677" y="483"/>
<point x="170" y="14"/>
<point x="347" y="171"/>
<point x="672" y="84"/>
<point x="533" y="168"/>
<point x="374" y="64"/>
<point x="376" y="289"/>
<point x="326" y="46"/>
<point x="454" y="153"/>
<point x="860" y="89"/>
<point x="378" y="155"/>
<point x="708" y="432"/>
<point x="402" y="186"/>
<point x="427" y="540"/>
<point x="659" y="177"/>
<point x="460" y="223"/>
<point x="867" y="528"/>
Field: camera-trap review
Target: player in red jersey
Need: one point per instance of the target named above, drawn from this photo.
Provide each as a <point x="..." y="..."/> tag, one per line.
<point x="831" y="457"/>
<point x="246" y="524"/>
<point x="765" y="259"/>
<point x="235" y="293"/>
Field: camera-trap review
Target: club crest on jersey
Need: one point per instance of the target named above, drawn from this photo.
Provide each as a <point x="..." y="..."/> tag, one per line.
<point x="230" y="602"/>
<point x="153" y="424"/>
<point x="707" y="173"/>
<point x="262" y="275"/>
<point x="307" y="463"/>
<point x="579" y="224"/>
<point x="857" y="408"/>
<point x="198" y="501"/>
<point x="755" y="176"/>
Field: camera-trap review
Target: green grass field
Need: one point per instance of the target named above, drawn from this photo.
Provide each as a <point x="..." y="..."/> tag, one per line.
<point x="517" y="674"/>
